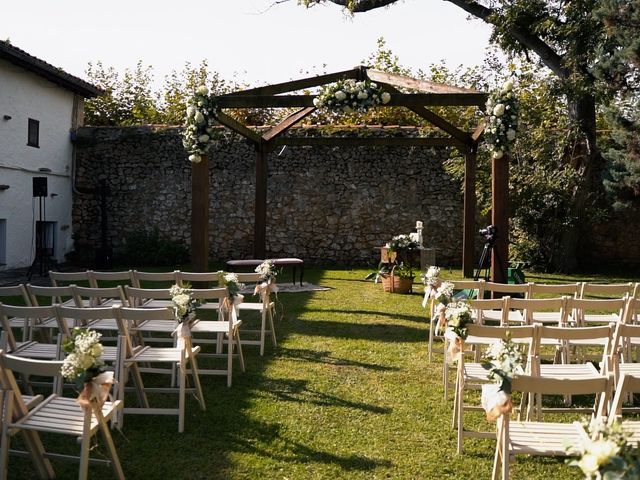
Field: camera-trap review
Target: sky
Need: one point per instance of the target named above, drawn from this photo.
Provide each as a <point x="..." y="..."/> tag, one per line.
<point x="256" y="41"/>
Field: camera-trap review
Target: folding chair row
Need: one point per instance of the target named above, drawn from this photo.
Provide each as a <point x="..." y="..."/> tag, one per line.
<point x="134" y="278"/>
<point x="124" y="357"/>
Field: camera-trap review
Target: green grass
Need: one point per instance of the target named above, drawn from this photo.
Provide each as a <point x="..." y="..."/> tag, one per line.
<point x="347" y="394"/>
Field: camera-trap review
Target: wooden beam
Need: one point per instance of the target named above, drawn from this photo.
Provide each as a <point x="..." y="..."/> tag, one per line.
<point x="398" y="100"/>
<point x="294" y="85"/>
<point x="200" y="215"/>
<point x="287" y="123"/>
<point x="260" y="209"/>
<point x="463" y="137"/>
<point x="469" y="222"/>
<point x="425" y="86"/>
<point x="500" y="218"/>
<point x="238" y="127"/>
<point x="478" y="132"/>
<point x="365" y="141"/>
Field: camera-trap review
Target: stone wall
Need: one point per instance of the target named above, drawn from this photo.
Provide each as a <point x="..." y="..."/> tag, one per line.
<point x="326" y="205"/>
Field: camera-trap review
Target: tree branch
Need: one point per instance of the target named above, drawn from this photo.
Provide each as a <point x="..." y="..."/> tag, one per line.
<point x="547" y="55"/>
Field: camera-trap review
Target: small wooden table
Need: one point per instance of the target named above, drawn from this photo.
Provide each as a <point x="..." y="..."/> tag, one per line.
<point x="278" y="262"/>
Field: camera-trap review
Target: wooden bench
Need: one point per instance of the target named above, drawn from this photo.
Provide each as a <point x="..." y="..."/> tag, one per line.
<point x="278" y="262"/>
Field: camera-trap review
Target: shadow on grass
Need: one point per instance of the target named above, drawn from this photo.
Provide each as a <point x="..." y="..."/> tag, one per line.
<point x="326" y="358"/>
<point x="370" y="313"/>
<point x="297" y="391"/>
<point x="381" y="332"/>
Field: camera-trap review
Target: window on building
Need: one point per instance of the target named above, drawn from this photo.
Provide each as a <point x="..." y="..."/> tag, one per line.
<point x="33" y="136"/>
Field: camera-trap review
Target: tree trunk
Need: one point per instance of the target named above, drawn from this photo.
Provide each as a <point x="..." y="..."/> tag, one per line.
<point x="588" y="162"/>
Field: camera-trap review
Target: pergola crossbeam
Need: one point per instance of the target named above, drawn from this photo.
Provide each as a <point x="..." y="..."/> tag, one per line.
<point x="287" y="123"/>
<point x="238" y="127"/>
<point x="424" y="86"/>
<point x="365" y="142"/>
<point x="294" y="85"/>
<point x="397" y="100"/>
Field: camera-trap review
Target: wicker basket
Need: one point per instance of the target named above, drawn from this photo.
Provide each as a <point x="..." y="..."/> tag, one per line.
<point x="394" y="284"/>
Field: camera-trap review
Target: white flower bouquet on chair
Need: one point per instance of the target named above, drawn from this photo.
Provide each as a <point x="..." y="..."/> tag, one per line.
<point x="84" y="366"/>
<point x="606" y="453"/>
<point x="183" y="306"/>
<point x="458" y="316"/>
<point x="503" y="360"/>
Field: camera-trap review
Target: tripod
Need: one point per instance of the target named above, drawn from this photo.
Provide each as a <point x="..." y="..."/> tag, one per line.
<point x="41" y="259"/>
<point x="485" y="259"/>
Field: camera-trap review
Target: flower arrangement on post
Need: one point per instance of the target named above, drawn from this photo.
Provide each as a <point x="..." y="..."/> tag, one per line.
<point x="234" y="298"/>
<point x="458" y="315"/>
<point x="84" y="367"/>
<point x="347" y="96"/>
<point x="606" y="452"/>
<point x="503" y="360"/>
<point x="199" y="131"/>
<point x="431" y="281"/>
<point x="502" y="122"/>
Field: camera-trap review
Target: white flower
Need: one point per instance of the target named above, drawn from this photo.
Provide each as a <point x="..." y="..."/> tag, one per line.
<point x="199" y="117"/>
<point x="202" y="90"/>
<point x="231" y="277"/>
<point x="498" y="110"/>
<point x="511" y="134"/>
<point x="317" y="102"/>
<point x="191" y="111"/>
<point x="340" y="95"/>
<point x="497" y="154"/>
<point x="203" y="138"/>
<point x="195" y="158"/>
<point x="603" y="450"/>
<point x="507" y="86"/>
<point x="362" y="95"/>
<point x="386" y="97"/>
<point x="588" y="464"/>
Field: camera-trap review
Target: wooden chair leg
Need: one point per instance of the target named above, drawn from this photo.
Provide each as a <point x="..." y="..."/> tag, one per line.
<point x="229" y="362"/>
<point x="182" y="394"/>
<point x="263" y="327"/>
<point x="196" y="381"/>
<point x="108" y="442"/>
<point x="273" y="329"/>
<point x="240" y="354"/>
<point x="85" y="446"/>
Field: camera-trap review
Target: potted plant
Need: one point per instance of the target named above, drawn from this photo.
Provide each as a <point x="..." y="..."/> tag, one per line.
<point x="396" y="270"/>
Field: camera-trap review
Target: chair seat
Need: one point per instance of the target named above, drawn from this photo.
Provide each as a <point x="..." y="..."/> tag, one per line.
<point x="43" y="351"/>
<point x="543" y="438"/>
<point x="475" y="372"/>
<point x="62" y="415"/>
<point x="162" y="326"/>
<point x="632" y="428"/>
<point x="546" y="317"/>
<point x="496" y="315"/>
<point x="157" y="304"/>
<point x="253" y="306"/>
<point x="53" y="323"/>
<point x="570" y="370"/>
<point x="213" y="326"/>
<point x="630" y="368"/>
<point x="159" y="354"/>
<point x="601" y="318"/>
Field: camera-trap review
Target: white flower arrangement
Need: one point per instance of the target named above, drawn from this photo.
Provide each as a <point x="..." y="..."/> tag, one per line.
<point x="502" y="124"/>
<point x="444" y="293"/>
<point x="230" y="280"/>
<point x="400" y="243"/>
<point x="431" y="278"/>
<point x="503" y="360"/>
<point x="267" y="271"/>
<point x="182" y="302"/>
<point x="458" y="315"/>
<point x="606" y="452"/>
<point x="347" y="96"/>
<point x="200" y="128"/>
<point x="83" y="362"/>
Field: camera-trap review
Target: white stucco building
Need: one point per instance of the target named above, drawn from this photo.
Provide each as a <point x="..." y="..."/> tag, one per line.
<point x="40" y="107"/>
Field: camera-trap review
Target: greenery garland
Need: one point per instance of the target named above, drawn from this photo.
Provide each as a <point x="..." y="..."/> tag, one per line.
<point x="502" y="124"/>
<point x="200" y="131"/>
<point x="348" y="96"/>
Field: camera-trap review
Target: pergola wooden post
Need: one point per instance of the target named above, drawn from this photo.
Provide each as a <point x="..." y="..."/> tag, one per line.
<point x="500" y="218"/>
<point x="428" y="94"/>
<point x="200" y="215"/>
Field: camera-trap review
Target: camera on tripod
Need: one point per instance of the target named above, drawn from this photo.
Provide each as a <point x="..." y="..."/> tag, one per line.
<point x="488" y="233"/>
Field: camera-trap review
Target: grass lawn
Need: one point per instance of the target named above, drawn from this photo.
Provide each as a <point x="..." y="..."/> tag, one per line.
<point x="347" y="394"/>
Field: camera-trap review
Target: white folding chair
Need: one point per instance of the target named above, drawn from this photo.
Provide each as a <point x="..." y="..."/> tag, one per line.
<point x="471" y="375"/>
<point x="198" y="279"/>
<point x="154" y="279"/>
<point x="182" y="357"/>
<point x="61" y="279"/>
<point x="544" y="438"/>
<point x="543" y="290"/>
<point x="123" y="277"/>
<point x="627" y="385"/>
<point x="496" y="290"/>
<point x="29" y="348"/>
<point x="17" y="295"/>
<point x="265" y="307"/>
<point x="55" y="414"/>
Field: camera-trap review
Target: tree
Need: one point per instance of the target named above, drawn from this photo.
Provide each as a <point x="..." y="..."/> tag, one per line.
<point x="618" y="67"/>
<point x="564" y="36"/>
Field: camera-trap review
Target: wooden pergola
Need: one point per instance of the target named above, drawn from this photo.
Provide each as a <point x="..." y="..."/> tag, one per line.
<point x="427" y="94"/>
